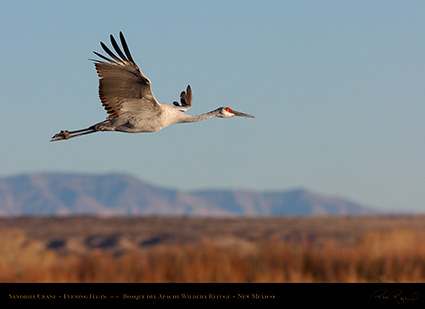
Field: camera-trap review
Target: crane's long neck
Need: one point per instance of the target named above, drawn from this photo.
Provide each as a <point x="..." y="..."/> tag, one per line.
<point x="194" y="118"/>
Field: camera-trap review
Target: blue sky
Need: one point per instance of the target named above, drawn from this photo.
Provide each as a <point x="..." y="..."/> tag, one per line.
<point x="337" y="88"/>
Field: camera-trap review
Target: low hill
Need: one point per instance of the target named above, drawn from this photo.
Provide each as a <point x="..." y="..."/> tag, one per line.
<point x="118" y="194"/>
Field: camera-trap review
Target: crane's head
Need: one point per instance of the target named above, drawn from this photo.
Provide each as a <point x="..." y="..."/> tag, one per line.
<point x="227" y="112"/>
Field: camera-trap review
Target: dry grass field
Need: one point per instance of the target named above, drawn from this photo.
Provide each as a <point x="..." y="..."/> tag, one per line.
<point x="309" y="249"/>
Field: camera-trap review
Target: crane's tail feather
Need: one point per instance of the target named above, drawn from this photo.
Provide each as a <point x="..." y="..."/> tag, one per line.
<point x="65" y="134"/>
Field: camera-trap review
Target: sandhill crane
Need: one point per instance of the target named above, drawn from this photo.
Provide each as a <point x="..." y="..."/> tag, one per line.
<point x="126" y="95"/>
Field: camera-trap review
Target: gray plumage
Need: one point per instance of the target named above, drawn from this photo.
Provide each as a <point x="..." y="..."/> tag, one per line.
<point x="126" y="95"/>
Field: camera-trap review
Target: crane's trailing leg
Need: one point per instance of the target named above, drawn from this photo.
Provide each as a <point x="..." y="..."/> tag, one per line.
<point x="65" y="134"/>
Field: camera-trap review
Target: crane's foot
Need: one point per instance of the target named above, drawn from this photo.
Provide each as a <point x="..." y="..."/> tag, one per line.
<point x="64" y="134"/>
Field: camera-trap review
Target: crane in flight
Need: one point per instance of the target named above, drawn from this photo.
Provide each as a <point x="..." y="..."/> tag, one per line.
<point x="126" y="95"/>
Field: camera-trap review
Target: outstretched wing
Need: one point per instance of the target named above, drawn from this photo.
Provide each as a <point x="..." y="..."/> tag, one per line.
<point x="122" y="85"/>
<point x="185" y="100"/>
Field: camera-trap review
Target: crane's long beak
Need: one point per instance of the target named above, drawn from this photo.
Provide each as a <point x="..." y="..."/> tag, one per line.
<point x="242" y="114"/>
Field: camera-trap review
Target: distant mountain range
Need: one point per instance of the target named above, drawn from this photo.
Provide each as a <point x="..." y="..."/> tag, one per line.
<point x="118" y="194"/>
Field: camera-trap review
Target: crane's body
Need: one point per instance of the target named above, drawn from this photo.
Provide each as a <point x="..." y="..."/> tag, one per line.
<point x="126" y="95"/>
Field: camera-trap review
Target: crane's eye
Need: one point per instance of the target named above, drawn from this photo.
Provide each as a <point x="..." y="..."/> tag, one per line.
<point x="228" y="109"/>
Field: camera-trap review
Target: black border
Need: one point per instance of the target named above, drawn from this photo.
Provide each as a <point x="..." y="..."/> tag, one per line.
<point x="265" y="294"/>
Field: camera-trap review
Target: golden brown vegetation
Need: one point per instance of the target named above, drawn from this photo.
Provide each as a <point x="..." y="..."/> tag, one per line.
<point x="377" y="256"/>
